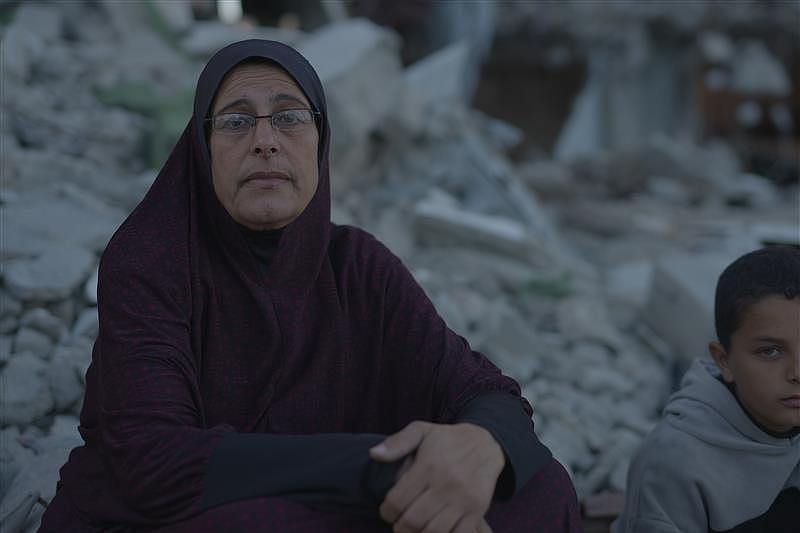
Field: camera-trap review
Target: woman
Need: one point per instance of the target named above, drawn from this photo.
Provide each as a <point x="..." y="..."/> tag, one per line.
<point x="253" y="356"/>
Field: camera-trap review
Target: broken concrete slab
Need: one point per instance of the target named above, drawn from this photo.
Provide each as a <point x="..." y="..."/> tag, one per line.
<point x="53" y="275"/>
<point x="680" y="307"/>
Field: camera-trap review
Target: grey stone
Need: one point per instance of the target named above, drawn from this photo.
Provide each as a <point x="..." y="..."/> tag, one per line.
<point x="16" y="514"/>
<point x="630" y="283"/>
<point x="34" y="27"/>
<point x="206" y="37"/>
<point x="33" y="341"/>
<point x="716" y="47"/>
<point x="440" y="77"/>
<point x="39" y="477"/>
<point x="586" y="318"/>
<point x="605" y="380"/>
<point x="175" y="14"/>
<point x="622" y="446"/>
<point x="29" y="234"/>
<point x="44" y="321"/>
<point x="756" y="71"/>
<point x="65" y="375"/>
<point x="348" y="57"/>
<point x="90" y="288"/>
<point x="617" y="480"/>
<point x="680" y="305"/>
<point x="8" y="325"/>
<point x="27" y="396"/>
<point x="13" y="457"/>
<point x="9" y="306"/>
<point x="512" y="345"/>
<point x="54" y="275"/>
<point x="87" y="325"/>
<point x="5" y="348"/>
<point x="437" y="224"/>
<point x="567" y="445"/>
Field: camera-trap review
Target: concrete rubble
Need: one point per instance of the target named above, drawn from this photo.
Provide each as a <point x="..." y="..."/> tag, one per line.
<point x="587" y="277"/>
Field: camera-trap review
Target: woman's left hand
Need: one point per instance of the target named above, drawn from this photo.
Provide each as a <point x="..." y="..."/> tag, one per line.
<point x="450" y="482"/>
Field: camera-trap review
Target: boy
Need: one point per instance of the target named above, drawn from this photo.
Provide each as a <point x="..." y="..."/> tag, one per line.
<point x="726" y="456"/>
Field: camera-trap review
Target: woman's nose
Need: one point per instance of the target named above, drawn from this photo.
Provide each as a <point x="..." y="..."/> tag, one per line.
<point x="265" y="138"/>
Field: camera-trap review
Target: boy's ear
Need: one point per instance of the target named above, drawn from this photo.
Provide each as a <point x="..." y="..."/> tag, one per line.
<point x="720" y="357"/>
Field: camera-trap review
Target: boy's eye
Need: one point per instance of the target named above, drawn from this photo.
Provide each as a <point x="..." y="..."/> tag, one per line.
<point x="770" y="352"/>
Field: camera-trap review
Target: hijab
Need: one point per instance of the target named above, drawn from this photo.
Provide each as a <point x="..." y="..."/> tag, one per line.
<point x="197" y="339"/>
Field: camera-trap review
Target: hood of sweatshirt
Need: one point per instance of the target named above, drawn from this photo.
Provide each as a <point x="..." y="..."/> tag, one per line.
<point x="751" y="466"/>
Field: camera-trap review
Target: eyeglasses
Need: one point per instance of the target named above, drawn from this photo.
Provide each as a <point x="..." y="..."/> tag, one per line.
<point x="286" y="120"/>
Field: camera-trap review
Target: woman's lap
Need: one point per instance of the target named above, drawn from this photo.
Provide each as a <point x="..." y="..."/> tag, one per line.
<point x="546" y="504"/>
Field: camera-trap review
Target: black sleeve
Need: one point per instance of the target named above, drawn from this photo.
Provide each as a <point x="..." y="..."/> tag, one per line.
<point x="330" y="472"/>
<point x="502" y="414"/>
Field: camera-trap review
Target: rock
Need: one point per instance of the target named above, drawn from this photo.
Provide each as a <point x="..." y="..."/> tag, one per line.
<point x="567" y="445"/>
<point x="44" y="321"/>
<point x="13" y="457"/>
<point x="8" y="325"/>
<point x="33" y="341"/>
<point x="34" y="28"/>
<point x="548" y="178"/>
<point x="750" y="190"/>
<point x="67" y="223"/>
<point x="16" y="514"/>
<point x="175" y="15"/>
<point x="756" y="71"/>
<point x="65" y="375"/>
<point x="436" y="224"/>
<point x="623" y="445"/>
<point x="680" y="308"/>
<point x="511" y="344"/>
<point x="348" y="57"/>
<point x="87" y="325"/>
<point x="90" y="288"/>
<point x="206" y="37"/>
<point x="27" y="396"/>
<point x="5" y="348"/>
<point x="717" y="47"/>
<point x="630" y="283"/>
<point x="440" y="78"/>
<point x="9" y="306"/>
<point x="39" y="477"/>
<point x="618" y="478"/>
<point x="605" y="380"/>
<point x="586" y="318"/>
<point x="51" y="276"/>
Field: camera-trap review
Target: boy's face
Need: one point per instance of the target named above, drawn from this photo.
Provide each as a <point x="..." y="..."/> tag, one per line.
<point x="764" y="362"/>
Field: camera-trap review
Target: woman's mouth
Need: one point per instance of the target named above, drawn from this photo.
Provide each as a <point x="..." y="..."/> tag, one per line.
<point x="266" y="180"/>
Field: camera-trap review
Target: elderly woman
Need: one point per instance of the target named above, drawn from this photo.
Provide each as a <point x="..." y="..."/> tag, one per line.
<point x="259" y="368"/>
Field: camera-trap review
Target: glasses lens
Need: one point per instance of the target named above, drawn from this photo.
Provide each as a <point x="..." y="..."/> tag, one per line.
<point x="292" y="119"/>
<point x="233" y="123"/>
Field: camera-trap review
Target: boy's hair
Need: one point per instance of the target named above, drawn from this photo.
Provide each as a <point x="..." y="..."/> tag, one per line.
<point x="774" y="270"/>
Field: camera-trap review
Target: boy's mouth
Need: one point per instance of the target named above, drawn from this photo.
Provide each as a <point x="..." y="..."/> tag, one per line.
<point x="792" y="401"/>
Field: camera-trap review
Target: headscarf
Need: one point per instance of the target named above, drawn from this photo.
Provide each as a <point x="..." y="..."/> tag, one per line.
<point x="197" y="340"/>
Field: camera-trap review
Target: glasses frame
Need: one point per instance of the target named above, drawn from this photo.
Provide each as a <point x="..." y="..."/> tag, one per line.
<point x="316" y="116"/>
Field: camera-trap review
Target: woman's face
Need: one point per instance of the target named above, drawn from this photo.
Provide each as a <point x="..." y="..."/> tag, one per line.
<point x="264" y="177"/>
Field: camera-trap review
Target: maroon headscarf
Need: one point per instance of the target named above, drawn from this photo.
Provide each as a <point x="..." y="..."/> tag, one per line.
<point x="196" y="341"/>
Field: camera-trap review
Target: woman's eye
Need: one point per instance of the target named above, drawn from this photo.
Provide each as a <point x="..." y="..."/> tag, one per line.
<point x="235" y="123"/>
<point x="286" y="118"/>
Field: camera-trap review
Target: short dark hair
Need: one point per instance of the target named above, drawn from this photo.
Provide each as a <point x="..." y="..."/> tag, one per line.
<point x="770" y="271"/>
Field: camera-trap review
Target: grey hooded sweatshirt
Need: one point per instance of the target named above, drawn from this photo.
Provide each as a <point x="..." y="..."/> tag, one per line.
<point x="706" y="466"/>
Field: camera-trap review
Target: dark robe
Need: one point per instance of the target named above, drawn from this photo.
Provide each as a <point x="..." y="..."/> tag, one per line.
<point x="200" y="345"/>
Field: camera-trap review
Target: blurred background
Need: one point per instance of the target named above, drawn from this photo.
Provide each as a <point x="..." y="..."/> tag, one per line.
<point x="565" y="179"/>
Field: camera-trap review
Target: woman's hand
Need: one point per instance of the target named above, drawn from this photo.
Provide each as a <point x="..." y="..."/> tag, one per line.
<point x="450" y="482"/>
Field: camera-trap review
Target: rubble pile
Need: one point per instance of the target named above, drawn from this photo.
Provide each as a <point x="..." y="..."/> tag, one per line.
<point x="556" y="270"/>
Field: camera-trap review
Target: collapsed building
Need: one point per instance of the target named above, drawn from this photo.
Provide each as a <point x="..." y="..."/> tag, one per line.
<point x="566" y="194"/>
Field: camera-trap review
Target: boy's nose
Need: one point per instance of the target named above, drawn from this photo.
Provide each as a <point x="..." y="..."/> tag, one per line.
<point x="794" y="368"/>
